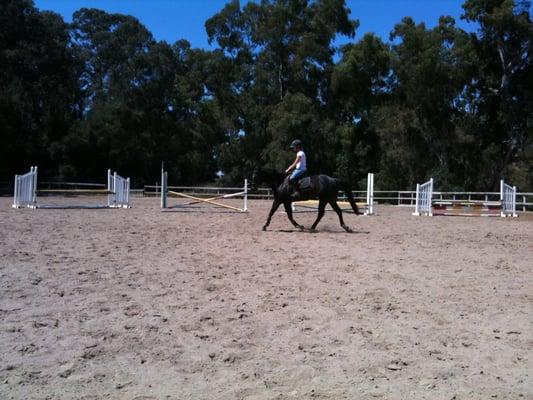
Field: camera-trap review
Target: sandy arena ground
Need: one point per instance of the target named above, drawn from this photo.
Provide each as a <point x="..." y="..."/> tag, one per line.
<point x="144" y="304"/>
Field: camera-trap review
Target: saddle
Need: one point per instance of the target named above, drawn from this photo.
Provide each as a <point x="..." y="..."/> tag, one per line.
<point x="303" y="185"/>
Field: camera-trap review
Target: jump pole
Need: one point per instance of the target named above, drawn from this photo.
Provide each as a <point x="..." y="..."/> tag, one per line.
<point x="199" y="200"/>
<point x="196" y="200"/>
<point x="224" y="196"/>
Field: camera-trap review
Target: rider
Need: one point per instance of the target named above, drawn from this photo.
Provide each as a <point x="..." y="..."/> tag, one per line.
<point x="298" y="167"/>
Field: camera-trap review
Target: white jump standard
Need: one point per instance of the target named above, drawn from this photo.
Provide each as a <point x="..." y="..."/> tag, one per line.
<point x="504" y="207"/>
<point x="25" y="192"/>
<point x="165" y="192"/>
<point x="369" y="207"/>
<point x="424" y="194"/>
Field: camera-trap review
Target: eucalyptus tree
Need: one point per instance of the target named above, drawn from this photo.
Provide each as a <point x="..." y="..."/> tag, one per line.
<point x="143" y="102"/>
<point x="281" y="57"/>
<point x="500" y="111"/>
<point x="361" y="82"/>
<point x="112" y="51"/>
<point x="37" y="86"/>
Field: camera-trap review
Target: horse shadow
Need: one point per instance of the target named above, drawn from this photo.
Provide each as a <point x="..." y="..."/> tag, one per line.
<point x="325" y="230"/>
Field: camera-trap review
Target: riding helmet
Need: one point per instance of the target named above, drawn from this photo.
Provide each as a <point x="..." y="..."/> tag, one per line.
<point x="296" y="142"/>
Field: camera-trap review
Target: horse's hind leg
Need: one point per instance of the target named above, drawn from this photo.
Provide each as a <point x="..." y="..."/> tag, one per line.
<point x="338" y="210"/>
<point x="288" y="210"/>
<point x="273" y="209"/>
<point x="321" y="208"/>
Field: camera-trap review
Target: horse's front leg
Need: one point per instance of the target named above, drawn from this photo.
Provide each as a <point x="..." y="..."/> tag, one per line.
<point x="321" y="209"/>
<point x="338" y="210"/>
<point x="275" y="206"/>
<point x="288" y="210"/>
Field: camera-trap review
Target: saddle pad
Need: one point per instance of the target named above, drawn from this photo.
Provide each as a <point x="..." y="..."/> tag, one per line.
<point x="305" y="183"/>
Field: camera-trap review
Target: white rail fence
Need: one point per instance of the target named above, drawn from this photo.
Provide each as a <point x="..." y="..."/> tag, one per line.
<point x="24" y="193"/>
<point x="400" y="198"/>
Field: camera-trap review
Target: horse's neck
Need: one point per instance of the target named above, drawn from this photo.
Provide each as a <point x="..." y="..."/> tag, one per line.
<point x="275" y="182"/>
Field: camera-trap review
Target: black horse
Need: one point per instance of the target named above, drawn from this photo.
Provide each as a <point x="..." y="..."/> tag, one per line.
<point x="323" y="187"/>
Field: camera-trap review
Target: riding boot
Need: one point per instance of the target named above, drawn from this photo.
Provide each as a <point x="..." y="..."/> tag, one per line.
<point x="295" y="196"/>
<point x="290" y="187"/>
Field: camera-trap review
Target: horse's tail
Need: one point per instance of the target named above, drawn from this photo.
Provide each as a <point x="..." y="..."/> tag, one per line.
<point x="346" y="188"/>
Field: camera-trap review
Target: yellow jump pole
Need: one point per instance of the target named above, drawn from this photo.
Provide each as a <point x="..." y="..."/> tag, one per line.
<point x="222" y="196"/>
<point x="78" y="191"/>
<point x="204" y="200"/>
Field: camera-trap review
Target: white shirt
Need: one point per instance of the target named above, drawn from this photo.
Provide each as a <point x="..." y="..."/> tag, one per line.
<point x="302" y="164"/>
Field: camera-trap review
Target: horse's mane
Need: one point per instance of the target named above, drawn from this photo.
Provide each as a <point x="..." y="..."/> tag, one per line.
<point x="273" y="173"/>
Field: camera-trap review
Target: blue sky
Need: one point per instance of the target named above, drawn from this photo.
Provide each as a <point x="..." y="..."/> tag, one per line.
<point x="171" y="20"/>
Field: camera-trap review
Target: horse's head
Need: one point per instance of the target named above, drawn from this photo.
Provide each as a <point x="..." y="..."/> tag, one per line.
<point x="257" y="178"/>
<point x="269" y="176"/>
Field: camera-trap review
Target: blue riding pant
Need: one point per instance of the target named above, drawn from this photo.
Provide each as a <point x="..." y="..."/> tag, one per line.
<point x="297" y="173"/>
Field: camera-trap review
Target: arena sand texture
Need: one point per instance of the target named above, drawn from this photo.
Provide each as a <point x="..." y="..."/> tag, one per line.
<point x="201" y="304"/>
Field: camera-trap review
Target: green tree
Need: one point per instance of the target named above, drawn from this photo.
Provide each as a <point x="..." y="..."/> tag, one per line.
<point x="499" y="112"/>
<point x="143" y="102"/>
<point x="38" y="86"/>
<point x="427" y="87"/>
<point x="103" y="93"/>
<point x="280" y="56"/>
<point x="360" y="83"/>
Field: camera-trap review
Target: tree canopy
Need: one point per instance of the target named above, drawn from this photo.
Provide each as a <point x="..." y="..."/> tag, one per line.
<point x="101" y="92"/>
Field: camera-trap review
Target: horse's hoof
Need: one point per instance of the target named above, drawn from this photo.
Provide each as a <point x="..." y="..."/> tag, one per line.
<point x="347" y="229"/>
<point x="264" y="228"/>
<point x="301" y="227"/>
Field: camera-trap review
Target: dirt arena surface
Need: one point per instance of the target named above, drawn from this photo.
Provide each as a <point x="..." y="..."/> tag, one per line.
<point x="145" y="304"/>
